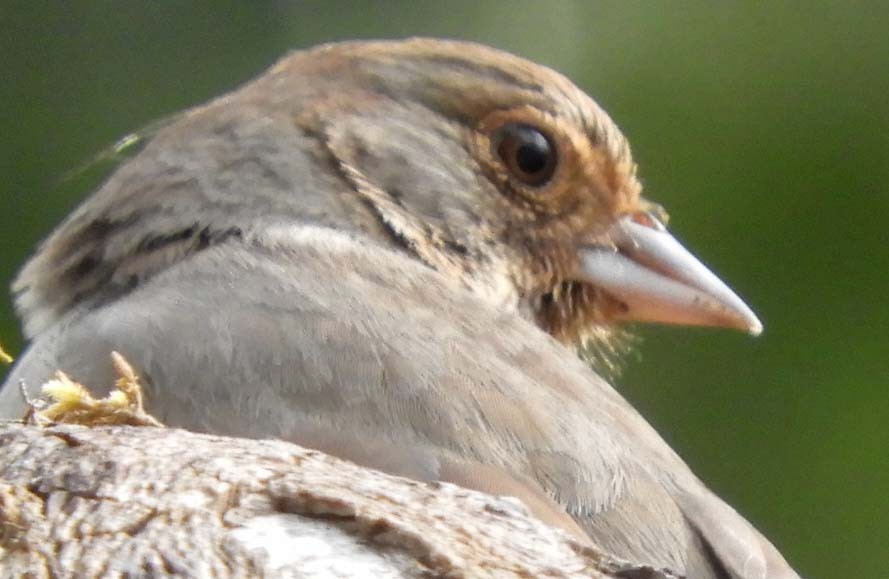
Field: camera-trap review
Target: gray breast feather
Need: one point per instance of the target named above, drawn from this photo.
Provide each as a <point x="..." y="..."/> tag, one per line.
<point x="317" y="339"/>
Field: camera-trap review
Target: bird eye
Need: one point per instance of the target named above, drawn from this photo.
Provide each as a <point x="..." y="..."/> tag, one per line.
<point x="528" y="154"/>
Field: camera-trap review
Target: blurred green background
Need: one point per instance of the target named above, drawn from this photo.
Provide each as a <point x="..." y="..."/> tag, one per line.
<point x="762" y="127"/>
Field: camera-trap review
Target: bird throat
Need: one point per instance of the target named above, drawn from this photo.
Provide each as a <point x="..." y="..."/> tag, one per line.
<point x="576" y="314"/>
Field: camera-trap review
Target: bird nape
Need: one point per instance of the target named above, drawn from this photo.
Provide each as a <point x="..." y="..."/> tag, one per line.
<point x="391" y="251"/>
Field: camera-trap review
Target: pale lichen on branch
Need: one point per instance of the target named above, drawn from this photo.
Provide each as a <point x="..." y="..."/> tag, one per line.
<point x="69" y="402"/>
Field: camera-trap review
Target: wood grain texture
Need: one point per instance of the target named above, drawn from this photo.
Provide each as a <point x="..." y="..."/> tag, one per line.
<point x="139" y="502"/>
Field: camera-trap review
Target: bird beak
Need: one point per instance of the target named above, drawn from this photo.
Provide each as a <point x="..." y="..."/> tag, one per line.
<point x="660" y="281"/>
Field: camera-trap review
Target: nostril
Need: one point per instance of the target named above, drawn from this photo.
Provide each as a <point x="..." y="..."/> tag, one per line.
<point x="648" y="219"/>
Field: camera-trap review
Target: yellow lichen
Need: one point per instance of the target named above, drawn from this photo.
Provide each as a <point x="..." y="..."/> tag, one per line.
<point x="4" y="357"/>
<point x="69" y="402"/>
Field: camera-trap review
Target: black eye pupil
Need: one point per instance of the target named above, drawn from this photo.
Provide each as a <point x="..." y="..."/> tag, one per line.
<point x="532" y="158"/>
<point x="526" y="152"/>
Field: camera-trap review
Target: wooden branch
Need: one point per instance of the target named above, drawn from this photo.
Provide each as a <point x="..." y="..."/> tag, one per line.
<point x="157" y="502"/>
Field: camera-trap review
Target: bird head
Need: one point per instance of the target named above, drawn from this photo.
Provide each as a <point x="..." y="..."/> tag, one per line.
<point x="499" y="173"/>
<point x="504" y="175"/>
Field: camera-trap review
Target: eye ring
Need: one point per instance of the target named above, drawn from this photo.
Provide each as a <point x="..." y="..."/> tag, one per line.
<point x="527" y="153"/>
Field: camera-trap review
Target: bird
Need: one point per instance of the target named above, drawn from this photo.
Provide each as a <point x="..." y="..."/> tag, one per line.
<point x="396" y="252"/>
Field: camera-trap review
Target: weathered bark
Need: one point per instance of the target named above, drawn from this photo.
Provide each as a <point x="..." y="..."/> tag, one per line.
<point x="129" y="501"/>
